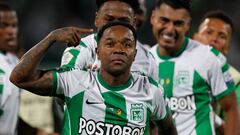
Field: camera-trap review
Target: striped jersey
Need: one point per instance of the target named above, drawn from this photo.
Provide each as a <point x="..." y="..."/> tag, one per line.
<point x="190" y="78"/>
<point x="95" y="107"/>
<point x="85" y="53"/>
<point x="9" y="96"/>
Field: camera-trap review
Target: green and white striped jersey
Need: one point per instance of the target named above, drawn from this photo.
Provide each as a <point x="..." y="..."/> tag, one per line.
<point x="190" y="78"/>
<point x="95" y="107"/>
<point x="9" y="96"/>
<point x="85" y="53"/>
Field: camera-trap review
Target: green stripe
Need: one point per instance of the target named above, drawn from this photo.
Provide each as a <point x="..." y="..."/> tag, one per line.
<point x="55" y="82"/>
<point x="66" y="126"/>
<point x="238" y="95"/>
<point x="116" y="112"/>
<point x="114" y="88"/>
<point x="72" y="62"/>
<point x="147" y="122"/>
<point x="152" y="81"/>
<point x="226" y="92"/>
<point x="1" y="88"/>
<point x="1" y="85"/>
<point x="166" y="77"/>
<point x="225" y="67"/>
<point x="1" y="112"/>
<point x="96" y="38"/>
<point x="202" y="102"/>
<point x="215" y="51"/>
<point x="83" y="44"/>
<point x="75" y="108"/>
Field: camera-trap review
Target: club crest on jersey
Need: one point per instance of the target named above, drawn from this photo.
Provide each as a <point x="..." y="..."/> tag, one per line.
<point x="182" y="78"/>
<point x="137" y="112"/>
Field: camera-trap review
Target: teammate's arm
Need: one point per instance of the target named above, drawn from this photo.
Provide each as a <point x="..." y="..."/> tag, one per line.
<point x="229" y="105"/>
<point x="166" y="126"/>
<point x="26" y="75"/>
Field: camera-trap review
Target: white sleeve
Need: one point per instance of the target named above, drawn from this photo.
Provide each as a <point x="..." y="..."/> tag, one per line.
<point x="221" y="81"/>
<point x="70" y="56"/>
<point x="4" y="89"/>
<point x="68" y="82"/>
<point x="160" y="111"/>
<point x="153" y="68"/>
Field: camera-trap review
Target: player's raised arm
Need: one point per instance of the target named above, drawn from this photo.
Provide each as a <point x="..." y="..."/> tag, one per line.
<point x="26" y="75"/>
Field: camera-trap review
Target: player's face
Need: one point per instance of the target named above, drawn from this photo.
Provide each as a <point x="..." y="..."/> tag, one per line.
<point x="170" y="26"/>
<point x="116" y="50"/>
<point x="141" y="14"/>
<point x="216" y="33"/>
<point x="8" y="31"/>
<point x="114" y="11"/>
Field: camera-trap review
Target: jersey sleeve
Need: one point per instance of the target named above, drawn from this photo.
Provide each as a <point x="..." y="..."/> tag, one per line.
<point x="4" y="91"/>
<point x="80" y="56"/>
<point x="2" y="82"/>
<point x="70" y="56"/>
<point x="160" y="111"/>
<point x="153" y="70"/>
<point x="68" y="83"/>
<point x="221" y="81"/>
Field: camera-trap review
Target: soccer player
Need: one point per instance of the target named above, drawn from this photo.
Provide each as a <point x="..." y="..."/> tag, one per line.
<point x="109" y="11"/>
<point x="9" y="94"/>
<point x="109" y="101"/>
<point x="216" y="29"/>
<point x="189" y="71"/>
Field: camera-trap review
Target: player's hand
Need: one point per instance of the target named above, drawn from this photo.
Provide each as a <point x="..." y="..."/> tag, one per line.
<point x="69" y="35"/>
<point x="41" y="132"/>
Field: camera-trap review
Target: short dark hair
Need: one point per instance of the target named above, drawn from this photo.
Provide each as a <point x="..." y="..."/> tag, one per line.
<point x="133" y="3"/>
<point x="221" y="15"/>
<point x="115" y="23"/>
<point x="5" y="7"/>
<point x="177" y="4"/>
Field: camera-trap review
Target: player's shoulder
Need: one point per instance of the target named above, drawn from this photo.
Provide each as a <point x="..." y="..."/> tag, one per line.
<point x="144" y="79"/>
<point x="206" y="51"/>
<point x="153" y="51"/>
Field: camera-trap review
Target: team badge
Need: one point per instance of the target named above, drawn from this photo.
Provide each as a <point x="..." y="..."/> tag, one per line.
<point x="182" y="78"/>
<point x="137" y="112"/>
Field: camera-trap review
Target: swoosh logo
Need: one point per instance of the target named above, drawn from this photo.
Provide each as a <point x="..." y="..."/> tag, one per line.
<point x="92" y="102"/>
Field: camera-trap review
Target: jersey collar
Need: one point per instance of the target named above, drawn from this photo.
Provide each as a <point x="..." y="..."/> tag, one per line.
<point x="114" y="88"/>
<point x="183" y="47"/>
<point x="2" y="52"/>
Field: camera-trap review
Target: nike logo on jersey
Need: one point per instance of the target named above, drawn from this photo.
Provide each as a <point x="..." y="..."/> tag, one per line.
<point x="92" y="102"/>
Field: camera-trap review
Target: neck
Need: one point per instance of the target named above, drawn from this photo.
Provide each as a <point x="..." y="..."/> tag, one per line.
<point x="172" y="51"/>
<point x="115" y="80"/>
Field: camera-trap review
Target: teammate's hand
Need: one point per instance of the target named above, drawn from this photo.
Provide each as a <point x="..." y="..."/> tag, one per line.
<point x="41" y="132"/>
<point x="69" y="35"/>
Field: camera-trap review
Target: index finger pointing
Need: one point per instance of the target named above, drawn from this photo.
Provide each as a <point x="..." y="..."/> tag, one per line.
<point x="83" y="30"/>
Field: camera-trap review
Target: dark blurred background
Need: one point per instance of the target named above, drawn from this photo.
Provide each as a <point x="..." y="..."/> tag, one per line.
<point x="38" y="17"/>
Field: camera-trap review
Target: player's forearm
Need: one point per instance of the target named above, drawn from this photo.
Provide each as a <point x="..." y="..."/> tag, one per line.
<point x="167" y="126"/>
<point x="232" y="124"/>
<point x="26" y="69"/>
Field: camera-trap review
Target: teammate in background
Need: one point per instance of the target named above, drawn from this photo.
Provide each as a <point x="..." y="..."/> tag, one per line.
<point x="216" y="29"/>
<point x="109" y="101"/>
<point x="109" y="11"/>
<point x="189" y="70"/>
<point x="9" y="94"/>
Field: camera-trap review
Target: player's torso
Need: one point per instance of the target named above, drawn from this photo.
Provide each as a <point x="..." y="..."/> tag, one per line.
<point x="9" y="95"/>
<point x="185" y="81"/>
<point x="123" y="111"/>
